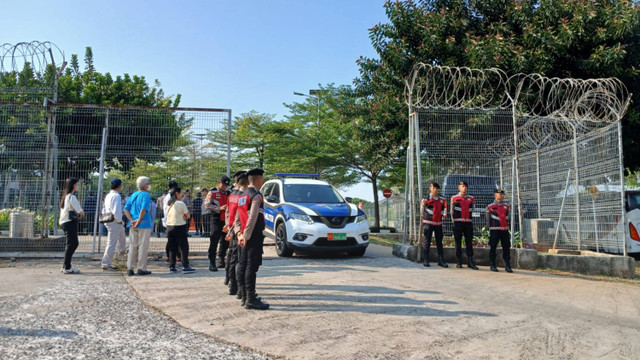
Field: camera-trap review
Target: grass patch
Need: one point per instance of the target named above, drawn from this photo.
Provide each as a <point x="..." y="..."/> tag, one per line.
<point x="382" y="241"/>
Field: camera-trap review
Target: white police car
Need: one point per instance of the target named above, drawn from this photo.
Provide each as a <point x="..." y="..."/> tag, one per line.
<point x="304" y="214"/>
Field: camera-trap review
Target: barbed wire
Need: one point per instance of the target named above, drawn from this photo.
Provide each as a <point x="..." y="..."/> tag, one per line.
<point x="581" y="102"/>
<point x="38" y="54"/>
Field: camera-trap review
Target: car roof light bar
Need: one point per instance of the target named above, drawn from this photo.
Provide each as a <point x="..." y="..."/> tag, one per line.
<point x="284" y="175"/>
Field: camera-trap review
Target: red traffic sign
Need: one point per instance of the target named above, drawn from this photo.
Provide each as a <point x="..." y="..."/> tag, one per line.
<point x="387" y="193"/>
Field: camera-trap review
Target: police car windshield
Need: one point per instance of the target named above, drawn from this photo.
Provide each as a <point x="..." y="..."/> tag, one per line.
<point x="304" y="193"/>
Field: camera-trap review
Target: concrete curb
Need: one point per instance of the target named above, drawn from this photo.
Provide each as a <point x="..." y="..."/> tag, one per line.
<point x="529" y="259"/>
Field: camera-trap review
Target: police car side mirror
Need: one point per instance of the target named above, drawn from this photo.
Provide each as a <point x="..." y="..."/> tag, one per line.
<point x="348" y="199"/>
<point x="272" y="198"/>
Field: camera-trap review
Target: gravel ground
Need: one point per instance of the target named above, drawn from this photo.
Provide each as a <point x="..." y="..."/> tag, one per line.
<point x="93" y="315"/>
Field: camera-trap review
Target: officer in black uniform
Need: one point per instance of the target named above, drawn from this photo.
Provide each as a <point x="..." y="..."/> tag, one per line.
<point x="498" y="223"/>
<point x="218" y="206"/>
<point x="240" y="184"/>
<point x="250" y="240"/>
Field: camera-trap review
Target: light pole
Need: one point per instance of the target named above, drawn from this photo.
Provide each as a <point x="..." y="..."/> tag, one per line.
<point x="313" y="94"/>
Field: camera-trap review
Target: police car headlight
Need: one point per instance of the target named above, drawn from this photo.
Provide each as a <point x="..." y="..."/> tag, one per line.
<point x="360" y="219"/>
<point x="301" y="217"/>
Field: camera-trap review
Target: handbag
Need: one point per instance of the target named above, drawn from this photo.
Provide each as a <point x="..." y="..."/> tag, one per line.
<point x="73" y="215"/>
<point x="107" y="218"/>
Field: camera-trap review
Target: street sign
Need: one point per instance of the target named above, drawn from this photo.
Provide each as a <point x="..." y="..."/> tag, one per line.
<point x="387" y="193"/>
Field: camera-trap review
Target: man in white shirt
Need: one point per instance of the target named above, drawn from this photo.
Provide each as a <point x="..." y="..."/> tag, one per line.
<point x="116" y="236"/>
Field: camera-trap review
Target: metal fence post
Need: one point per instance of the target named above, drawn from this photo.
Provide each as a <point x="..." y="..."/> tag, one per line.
<point x="229" y="144"/>
<point x="577" y="185"/>
<point x="564" y="197"/>
<point x="105" y="134"/>
<point x="622" y="196"/>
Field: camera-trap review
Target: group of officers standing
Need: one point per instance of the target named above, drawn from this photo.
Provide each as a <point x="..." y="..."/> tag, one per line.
<point x="434" y="211"/>
<point x="236" y="241"/>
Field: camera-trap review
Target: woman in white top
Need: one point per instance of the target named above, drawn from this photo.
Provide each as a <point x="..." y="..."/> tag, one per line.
<point x="70" y="213"/>
<point x="116" y="236"/>
<point x="177" y="228"/>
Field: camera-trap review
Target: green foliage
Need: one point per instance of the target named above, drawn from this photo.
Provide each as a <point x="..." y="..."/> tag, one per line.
<point x="482" y="240"/>
<point x="558" y="38"/>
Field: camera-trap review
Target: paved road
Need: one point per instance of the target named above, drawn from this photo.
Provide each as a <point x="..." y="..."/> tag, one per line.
<point x="379" y="306"/>
<point x="93" y="315"/>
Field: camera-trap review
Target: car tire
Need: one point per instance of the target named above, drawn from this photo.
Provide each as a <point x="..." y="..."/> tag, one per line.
<point x="282" y="246"/>
<point x="359" y="252"/>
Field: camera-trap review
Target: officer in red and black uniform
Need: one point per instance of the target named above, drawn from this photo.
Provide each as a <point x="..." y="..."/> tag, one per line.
<point x="498" y="223"/>
<point x="240" y="184"/>
<point x="462" y="206"/>
<point x="218" y="205"/>
<point x="434" y="209"/>
<point x="250" y="240"/>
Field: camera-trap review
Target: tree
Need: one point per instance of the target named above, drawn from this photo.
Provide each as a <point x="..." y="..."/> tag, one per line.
<point x="133" y="132"/>
<point x="557" y="38"/>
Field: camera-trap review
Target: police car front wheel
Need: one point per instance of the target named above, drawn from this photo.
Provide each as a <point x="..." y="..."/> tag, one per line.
<point x="282" y="248"/>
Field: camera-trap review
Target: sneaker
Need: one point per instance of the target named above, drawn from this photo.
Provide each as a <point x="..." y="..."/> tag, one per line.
<point x="71" y="270"/>
<point x="143" y="272"/>
<point x="173" y="270"/>
<point x="110" y="268"/>
<point x="188" y="270"/>
<point x="130" y="273"/>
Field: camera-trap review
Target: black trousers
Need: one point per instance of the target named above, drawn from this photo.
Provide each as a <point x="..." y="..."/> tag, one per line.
<point x="504" y="238"/>
<point x="217" y="238"/>
<point x="232" y="261"/>
<point x="197" y="220"/>
<point x="177" y="241"/>
<point x="249" y="261"/>
<point x="71" y="233"/>
<point x="459" y="229"/>
<point x="429" y="230"/>
<point x="206" y="223"/>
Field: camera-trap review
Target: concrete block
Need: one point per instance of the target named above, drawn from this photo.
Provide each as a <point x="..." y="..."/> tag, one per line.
<point x="618" y="266"/>
<point x="525" y="259"/>
<point x="406" y="251"/>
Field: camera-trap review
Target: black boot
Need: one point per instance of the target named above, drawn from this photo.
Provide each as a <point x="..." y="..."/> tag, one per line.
<point x="221" y="263"/>
<point x="425" y="258"/>
<point x="507" y="268"/>
<point x="226" y="280"/>
<point x="253" y="303"/>
<point x="441" y="261"/>
<point x="493" y="266"/>
<point x="240" y="293"/>
<point x="233" y="288"/>
<point x="459" y="265"/>
<point x="470" y="263"/>
<point x="212" y="265"/>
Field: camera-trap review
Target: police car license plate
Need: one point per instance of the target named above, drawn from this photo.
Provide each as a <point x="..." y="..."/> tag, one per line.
<point x="336" y="236"/>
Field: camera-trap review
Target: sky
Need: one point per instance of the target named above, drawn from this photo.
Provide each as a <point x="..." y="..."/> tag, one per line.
<point x="238" y="55"/>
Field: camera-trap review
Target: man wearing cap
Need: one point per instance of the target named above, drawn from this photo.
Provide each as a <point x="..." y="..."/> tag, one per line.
<point x="217" y="204"/>
<point x="462" y="206"/>
<point x="240" y="182"/>
<point x="250" y="240"/>
<point x="116" y="238"/>
<point x="498" y="223"/>
<point x="434" y="208"/>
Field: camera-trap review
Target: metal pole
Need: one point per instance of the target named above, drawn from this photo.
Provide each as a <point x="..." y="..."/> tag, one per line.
<point x="517" y="165"/>
<point x="622" y="196"/>
<point x="539" y="192"/>
<point x="513" y="200"/>
<point x="105" y="134"/>
<point x="388" y="212"/>
<point x="229" y="144"/>
<point x="595" y="224"/>
<point x="577" y="184"/>
<point x="501" y="175"/>
<point x="564" y="197"/>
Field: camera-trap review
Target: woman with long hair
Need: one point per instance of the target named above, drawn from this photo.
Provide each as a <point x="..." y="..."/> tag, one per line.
<point x="177" y="229"/>
<point x="70" y="213"/>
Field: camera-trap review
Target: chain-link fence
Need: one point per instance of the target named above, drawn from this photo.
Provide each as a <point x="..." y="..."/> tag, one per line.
<point x="42" y="143"/>
<point x="553" y="145"/>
